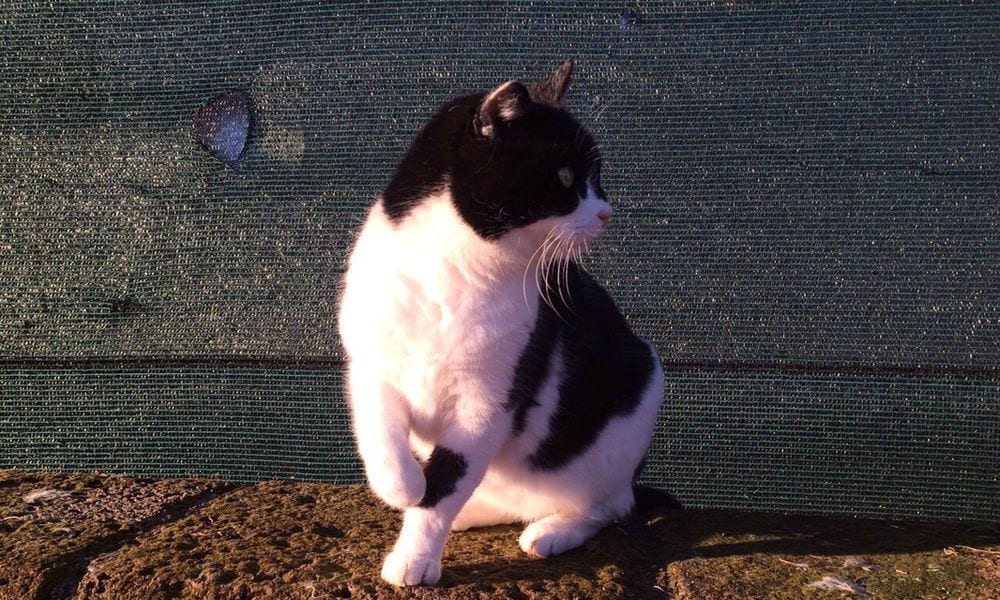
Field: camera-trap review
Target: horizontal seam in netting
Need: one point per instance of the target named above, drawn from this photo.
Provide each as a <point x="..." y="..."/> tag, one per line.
<point x="229" y="362"/>
<point x="990" y="374"/>
<point x="838" y="369"/>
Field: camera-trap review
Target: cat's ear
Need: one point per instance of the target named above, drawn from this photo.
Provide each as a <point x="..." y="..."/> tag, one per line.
<point x="502" y="105"/>
<point x="551" y="90"/>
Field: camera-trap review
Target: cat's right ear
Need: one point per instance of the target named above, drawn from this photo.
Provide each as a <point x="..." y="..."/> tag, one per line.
<point x="502" y="105"/>
<point x="551" y="90"/>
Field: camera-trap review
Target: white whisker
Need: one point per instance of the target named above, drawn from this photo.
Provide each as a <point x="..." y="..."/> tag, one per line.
<point x="563" y="257"/>
<point x="544" y="264"/>
<point x="524" y="279"/>
<point x="556" y="260"/>
<point x="564" y="264"/>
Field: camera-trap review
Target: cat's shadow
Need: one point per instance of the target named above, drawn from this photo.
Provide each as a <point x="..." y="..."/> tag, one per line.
<point x="643" y="546"/>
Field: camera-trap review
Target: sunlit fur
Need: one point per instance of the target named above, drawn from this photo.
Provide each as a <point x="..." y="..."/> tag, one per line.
<point x="435" y="317"/>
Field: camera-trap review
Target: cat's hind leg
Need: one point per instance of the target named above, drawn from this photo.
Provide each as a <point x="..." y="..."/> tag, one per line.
<point x="558" y="533"/>
<point x="478" y="512"/>
<point x="382" y="428"/>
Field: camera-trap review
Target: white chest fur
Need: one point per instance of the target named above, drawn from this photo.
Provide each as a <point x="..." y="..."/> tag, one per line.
<point x="427" y="302"/>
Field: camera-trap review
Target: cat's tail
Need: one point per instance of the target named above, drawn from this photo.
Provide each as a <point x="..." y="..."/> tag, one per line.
<point x="649" y="498"/>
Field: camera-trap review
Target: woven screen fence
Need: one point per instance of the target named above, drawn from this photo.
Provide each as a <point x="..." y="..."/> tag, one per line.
<point x="808" y="228"/>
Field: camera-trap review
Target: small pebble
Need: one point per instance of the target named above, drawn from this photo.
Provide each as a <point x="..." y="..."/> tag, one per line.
<point x="44" y="496"/>
<point x="839" y="584"/>
<point x="859" y="562"/>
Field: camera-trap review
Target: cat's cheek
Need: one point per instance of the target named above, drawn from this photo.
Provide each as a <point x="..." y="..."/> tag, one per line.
<point x="591" y="215"/>
<point x="530" y="237"/>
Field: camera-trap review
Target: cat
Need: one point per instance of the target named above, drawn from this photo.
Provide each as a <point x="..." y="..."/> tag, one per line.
<point x="476" y="342"/>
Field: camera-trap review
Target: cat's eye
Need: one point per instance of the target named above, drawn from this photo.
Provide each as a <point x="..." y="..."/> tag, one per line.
<point x="566" y="176"/>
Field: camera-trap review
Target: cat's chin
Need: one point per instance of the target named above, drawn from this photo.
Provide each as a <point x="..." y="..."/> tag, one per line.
<point x="538" y="244"/>
<point x="563" y="239"/>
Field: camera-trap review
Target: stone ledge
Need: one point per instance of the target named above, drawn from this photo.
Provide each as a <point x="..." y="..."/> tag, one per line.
<point x="104" y="537"/>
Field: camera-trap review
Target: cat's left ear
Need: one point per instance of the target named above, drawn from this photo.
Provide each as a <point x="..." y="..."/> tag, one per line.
<point x="551" y="90"/>
<point x="502" y="105"/>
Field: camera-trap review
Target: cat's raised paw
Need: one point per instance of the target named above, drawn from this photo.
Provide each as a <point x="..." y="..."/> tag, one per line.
<point x="399" y="489"/>
<point x="551" y="536"/>
<point x="403" y="569"/>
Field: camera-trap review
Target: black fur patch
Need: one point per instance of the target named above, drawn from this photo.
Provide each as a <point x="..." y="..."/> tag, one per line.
<point x="442" y="472"/>
<point x="606" y="368"/>
<point x="501" y="182"/>
<point x="429" y="159"/>
<point x="532" y="367"/>
<point x="649" y="498"/>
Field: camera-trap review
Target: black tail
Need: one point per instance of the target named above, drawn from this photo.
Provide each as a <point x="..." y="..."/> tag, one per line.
<point x="648" y="498"/>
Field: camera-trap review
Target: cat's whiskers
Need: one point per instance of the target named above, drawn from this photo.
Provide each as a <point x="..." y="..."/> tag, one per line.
<point x="567" y="257"/>
<point x="562" y="267"/>
<point x="563" y="254"/>
<point x="600" y="112"/>
<point x="527" y="267"/>
<point x="555" y="246"/>
<point x="594" y="152"/>
<point x="576" y="253"/>
<point x="543" y="266"/>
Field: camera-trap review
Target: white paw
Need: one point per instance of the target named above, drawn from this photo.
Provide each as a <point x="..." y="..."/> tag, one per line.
<point x="549" y="537"/>
<point x="402" y="569"/>
<point x="399" y="489"/>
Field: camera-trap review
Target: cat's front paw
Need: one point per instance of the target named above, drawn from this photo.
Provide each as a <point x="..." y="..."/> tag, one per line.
<point x="399" y="489"/>
<point x="403" y="569"/>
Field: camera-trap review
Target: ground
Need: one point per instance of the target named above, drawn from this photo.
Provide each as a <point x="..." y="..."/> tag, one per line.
<point x="94" y="536"/>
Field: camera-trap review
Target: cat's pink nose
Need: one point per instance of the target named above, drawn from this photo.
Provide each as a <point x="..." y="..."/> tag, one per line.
<point x="604" y="215"/>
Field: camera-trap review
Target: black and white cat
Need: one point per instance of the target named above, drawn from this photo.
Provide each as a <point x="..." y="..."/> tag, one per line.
<point x="477" y="343"/>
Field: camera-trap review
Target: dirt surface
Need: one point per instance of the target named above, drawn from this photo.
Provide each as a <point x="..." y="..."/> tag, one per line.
<point x="51" y="525"/>
<point x="309" y="541"/>
<point x="282" y="540"/>
<point x="755" y="556"/>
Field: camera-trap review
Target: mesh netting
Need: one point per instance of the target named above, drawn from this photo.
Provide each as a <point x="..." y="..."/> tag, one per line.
<point x="807" y="228"/>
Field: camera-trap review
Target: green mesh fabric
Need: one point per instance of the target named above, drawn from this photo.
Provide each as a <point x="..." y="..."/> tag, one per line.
<point x="807" y="227"/>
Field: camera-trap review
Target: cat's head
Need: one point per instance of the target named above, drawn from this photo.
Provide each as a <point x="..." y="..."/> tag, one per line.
<point x="517" y="165"/>
<point x="527" y="167"/>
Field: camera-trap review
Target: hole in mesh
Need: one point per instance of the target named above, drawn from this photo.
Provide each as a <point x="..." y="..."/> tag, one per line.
<point x="223" y="125"/>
